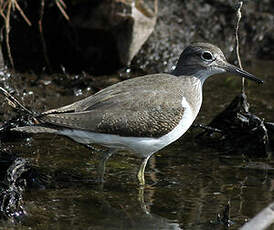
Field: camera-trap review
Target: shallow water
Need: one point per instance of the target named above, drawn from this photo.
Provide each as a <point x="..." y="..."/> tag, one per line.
<point x="188" y="183"/>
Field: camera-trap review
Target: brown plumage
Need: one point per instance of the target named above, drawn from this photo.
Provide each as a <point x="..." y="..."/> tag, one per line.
<point x="116" y="110"/>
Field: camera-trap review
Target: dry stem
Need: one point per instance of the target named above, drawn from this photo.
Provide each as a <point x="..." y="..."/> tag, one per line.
<point x="5" y="11"/>
<point x="239" y="15"/>
<point x="62" y="6"/>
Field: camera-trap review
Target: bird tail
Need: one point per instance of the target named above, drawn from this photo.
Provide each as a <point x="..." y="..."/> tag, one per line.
<point x="27" y="121"/>
<point x="34" y="129"/>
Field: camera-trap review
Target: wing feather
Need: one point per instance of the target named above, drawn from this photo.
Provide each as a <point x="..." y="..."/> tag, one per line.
<point x="117" y="109"/>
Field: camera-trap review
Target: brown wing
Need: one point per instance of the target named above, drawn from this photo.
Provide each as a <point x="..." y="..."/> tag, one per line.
<point x="145" y="106"/>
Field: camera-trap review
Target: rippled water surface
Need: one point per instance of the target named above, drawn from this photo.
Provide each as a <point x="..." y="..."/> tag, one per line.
<point x="188" y="184"/>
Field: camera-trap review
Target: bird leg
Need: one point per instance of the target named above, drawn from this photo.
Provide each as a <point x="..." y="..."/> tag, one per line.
<point x="141" y="172"/>
<point x="142" y="200"/>
<point x="101" y="166"/>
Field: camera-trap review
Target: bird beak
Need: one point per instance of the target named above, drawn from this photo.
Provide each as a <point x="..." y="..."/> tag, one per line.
<point x="236" y="70"/>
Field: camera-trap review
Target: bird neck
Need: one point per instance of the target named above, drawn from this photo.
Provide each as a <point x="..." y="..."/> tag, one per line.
<point x="192" y="91"/>
<point x="192" y="71"/>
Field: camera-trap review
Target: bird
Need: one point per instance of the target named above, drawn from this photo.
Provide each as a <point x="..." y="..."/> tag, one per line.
<point x="142" y="114"/>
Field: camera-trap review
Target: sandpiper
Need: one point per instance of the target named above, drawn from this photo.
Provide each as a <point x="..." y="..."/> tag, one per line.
<point x="143" y="114"/>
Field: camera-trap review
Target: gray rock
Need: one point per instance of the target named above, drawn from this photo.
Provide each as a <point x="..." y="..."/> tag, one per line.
<point x="129" y="22"/>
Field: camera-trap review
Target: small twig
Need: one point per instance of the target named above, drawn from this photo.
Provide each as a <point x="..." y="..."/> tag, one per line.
<point x="61" y="5"/>
<point x="7" y="27"/>
<point x="156" y="7"/>
<point x="207" y="128"/>
<point x="14" y="102"/>
<point x="239" y="15"/>
<point x="21" y="12"/>
<point x="40" y="27"/>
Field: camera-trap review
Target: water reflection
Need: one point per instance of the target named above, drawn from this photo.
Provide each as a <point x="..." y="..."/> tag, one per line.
<point x="188" y="187"/>
<point x="140" y="218"/>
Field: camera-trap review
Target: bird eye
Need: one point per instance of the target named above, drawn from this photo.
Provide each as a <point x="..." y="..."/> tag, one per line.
<point x="207" y="56"/>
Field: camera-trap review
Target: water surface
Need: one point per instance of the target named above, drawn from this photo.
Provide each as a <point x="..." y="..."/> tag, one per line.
<point x="188" y="183"/>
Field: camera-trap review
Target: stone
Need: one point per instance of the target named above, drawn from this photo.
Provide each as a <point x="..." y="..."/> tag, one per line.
<point x="100" y="36"/>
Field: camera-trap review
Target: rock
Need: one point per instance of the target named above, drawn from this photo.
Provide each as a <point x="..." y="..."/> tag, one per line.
<point x="236" y="128"/>
<point x="100" y="37"/>
<point x="129" y="22"/>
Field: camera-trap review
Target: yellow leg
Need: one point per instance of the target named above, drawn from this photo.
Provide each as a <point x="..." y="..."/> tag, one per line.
<point x="141" y="172"/>
<point x="142" y="200"/>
